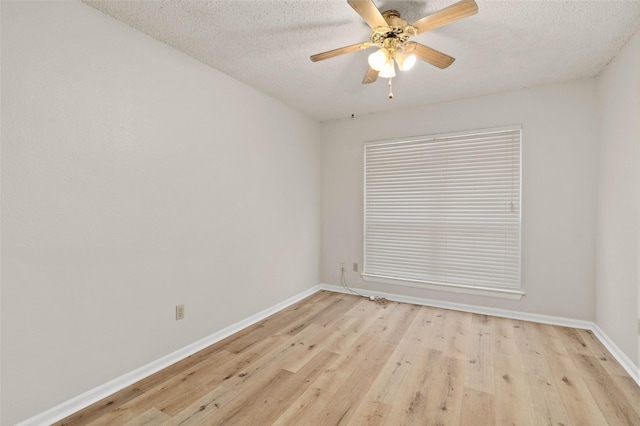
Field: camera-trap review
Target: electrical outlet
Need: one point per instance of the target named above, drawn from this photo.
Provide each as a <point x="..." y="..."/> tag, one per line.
<point x="179" y="312"/>
<point x="355" y="267"/>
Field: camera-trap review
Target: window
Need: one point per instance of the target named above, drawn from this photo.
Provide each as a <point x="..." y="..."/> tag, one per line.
<point x="443" y="212"/>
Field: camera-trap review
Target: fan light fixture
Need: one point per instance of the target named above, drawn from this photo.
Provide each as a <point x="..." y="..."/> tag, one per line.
<point x="405" y="60"/>
<point x="389" y="69"/>
<point x="382" y="61"/>
<point x="378" y="59"/>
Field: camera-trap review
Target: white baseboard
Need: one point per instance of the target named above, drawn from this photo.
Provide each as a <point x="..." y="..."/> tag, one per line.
<point x="524" y="316"/>
<point x="625" y="362"/>
<point x="94" y="395"/>
<point x="620" y="356"/>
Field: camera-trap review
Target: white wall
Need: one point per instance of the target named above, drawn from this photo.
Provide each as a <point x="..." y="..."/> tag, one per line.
<point x="133" y="179"/>
<point x="559" y="155"/>
<point x="618" y="298"/>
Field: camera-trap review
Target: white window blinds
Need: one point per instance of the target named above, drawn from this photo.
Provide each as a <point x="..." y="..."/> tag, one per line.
<point x="444" y="210"/>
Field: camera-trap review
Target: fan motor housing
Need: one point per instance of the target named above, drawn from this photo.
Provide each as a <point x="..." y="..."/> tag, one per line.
<point x="398" y="29"/>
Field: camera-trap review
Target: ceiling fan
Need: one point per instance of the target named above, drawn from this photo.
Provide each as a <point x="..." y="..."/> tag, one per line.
<point x="390" y="34"/>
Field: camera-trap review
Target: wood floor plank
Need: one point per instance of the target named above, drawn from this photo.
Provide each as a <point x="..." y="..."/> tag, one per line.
<point x="577" y="401"/>
<point x="446" y="393"/>
<point x="227" y="397"/>
<point x="200" y="410"/>
<point x="398" y="365"/>
<point x="266" y="404"/>
<point x="615" y="406"/>
<point x="438" y="338"/>
<point x="572" y="341"/>
<point x="258" y="374"/>
<point x="458" y="331"/>
<point x="306" y="409"/>
<point x="512" y="397"/>
<point x="273" y="324"/>
<point x="341" y="408"/>
<point x="102" y="408"/>
<point x="478" y="408"/>
<point x="324" y="338"/>
<point x="479" y="374"/>
<point x="200" y="379"/>
<point x="151" y="417"/>
<point x="411" y="405"/>
<point x="630" y="390"/>
<point x="545" y="395"/>
<point x="375" y="331"/>
<point x="112" y="404"/>
<point x="364" y="317"/>
<point x="503" y="339"/>
<point x="384" y="334"/>
<point x="600" y="352"/>
<point x="341" y="359"/>
<point x="371" y="413"/>
<point x="320" y="316"/>
<point x="551" y="341"/>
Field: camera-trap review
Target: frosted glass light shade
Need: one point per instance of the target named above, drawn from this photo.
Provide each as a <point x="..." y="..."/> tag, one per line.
<point x="405" y="60"/>
<point x="389" y="69"/>
<point x="378" y="59"/>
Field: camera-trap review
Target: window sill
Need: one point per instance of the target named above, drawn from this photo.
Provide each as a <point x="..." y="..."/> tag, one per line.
<point x="453" y="288"/>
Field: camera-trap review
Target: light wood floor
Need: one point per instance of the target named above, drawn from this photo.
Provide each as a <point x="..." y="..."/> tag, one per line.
<point x="339" y="359"/>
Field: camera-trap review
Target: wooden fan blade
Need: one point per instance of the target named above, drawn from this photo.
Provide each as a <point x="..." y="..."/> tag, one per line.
<point x="341" y="51"/>
<point x="370" y="76"/>
<point x="434" y="57"/>
<point x="450" y="14"/>
<point x="369" y="12"/>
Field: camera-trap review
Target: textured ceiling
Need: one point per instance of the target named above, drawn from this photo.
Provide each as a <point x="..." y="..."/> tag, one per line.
<point x="267" y="43"/>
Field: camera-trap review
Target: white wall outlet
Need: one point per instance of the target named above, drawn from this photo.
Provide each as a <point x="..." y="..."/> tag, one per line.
<point x="179" y="312"/>
<point x="355" y="266"/>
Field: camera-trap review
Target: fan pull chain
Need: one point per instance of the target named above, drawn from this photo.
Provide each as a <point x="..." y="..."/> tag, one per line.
<point x="390" y="88"/>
